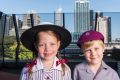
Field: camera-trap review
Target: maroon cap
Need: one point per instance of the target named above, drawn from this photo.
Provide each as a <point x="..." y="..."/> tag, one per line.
<point x="89" y="36"/>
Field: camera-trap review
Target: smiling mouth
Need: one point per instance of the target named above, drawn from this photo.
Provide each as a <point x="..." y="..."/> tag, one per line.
<point x="48" y="54"/>
<point x="93" y="58"/>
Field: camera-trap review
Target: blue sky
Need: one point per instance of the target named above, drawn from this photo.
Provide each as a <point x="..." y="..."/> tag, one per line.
<point x="49" y="6"/>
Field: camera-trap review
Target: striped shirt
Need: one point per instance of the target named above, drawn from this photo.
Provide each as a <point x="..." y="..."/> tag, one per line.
<point x="40" y="73"/>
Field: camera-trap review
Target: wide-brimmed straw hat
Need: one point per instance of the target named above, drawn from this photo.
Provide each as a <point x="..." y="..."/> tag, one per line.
<point x="89" y="36"/>
<point x="28" y="37"/>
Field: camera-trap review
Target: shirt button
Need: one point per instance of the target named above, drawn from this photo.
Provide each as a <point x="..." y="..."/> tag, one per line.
<point x="48" y="78"/>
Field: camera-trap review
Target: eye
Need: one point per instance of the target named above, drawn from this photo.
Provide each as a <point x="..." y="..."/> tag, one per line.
<point x="52" y="44"/>
<point x="87" y="51"/>
<point x="96" y="49"/>
<point x="40" y="45"/>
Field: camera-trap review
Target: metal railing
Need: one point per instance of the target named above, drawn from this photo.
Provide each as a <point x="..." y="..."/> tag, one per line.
<point x="13" y="25"/>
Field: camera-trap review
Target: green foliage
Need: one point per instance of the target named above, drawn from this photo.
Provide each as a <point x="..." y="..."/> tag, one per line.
<point x="24" y="53"/>
<point x="10" y="48"/>
<point x="7" y="39"/>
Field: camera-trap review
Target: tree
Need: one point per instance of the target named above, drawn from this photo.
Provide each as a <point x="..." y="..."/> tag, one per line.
<point x="10" y="47"/>
<point x="23" y="55"/>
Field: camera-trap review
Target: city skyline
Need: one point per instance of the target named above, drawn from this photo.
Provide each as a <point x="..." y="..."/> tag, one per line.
<point x="21" y="7"/>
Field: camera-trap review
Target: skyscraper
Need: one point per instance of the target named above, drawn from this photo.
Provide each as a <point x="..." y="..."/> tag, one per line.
<point x="12" y="31"/>
<point x="104" y="26"/>
<point x="109" y="29"/>
<point x="91" y="19"/>
<point x="27" y="19"/>
<point x="4" y="23"/>
<point x="28" y="22"/>
<point x="82" y="16"/>
<point x="59" y="17"/>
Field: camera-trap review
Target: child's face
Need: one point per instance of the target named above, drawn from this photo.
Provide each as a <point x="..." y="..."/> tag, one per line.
<point x="94" y="52"/>
<point x="48" y="46"/>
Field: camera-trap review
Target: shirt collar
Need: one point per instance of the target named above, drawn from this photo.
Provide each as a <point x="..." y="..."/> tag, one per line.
<point x="103" y="66"/>
<point x="39" y="65"/>
<point x="87" y="68"/>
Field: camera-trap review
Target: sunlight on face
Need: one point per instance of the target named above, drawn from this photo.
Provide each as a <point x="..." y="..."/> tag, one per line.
<point x="48" y="46"/>
<point x="93" y="51"/>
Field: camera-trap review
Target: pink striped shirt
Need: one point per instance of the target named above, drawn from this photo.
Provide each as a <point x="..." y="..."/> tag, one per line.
<point x="40" y="73"/>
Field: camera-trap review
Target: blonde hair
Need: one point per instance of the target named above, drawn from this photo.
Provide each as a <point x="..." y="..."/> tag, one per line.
<point x="64" y="67"/>
<point x="90" y="43"/>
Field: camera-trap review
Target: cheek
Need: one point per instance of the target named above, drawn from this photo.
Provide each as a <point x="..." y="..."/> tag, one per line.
<point x="55" y="51"/>
<point x="40" y="51"/>
<point x="87" y="55"/>
<point x="56" y="48"/>
<point x="102" y="51"/>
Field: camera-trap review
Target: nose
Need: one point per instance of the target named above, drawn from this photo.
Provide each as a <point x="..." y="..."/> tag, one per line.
<point x="47" y="47"/>
<point x="93" y="52"/>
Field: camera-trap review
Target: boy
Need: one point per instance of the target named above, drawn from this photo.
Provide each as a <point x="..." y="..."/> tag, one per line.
<point x="92" y="44"/>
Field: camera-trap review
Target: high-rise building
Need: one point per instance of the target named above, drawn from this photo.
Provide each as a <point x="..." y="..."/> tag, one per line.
<point x="99" y="14"/>
<point x="104" y="26"/>
<point x="59" y="17"/>
<point x="5" y="25"/>
<point x="1" y="24"/>
<point x="109" y="29"/>
<point x="91" y="19"/>
<point x="12" y="27"/>
<point x="27" y="19"/>
<point x="82" y="16"/>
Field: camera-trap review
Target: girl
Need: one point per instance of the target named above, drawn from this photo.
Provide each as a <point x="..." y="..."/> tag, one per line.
<point x="45" y="41"/>
<point x="92" y="44"/>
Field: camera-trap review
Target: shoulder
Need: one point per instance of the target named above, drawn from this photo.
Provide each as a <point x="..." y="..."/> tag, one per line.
<point x="67" y="72"/>
<point x="107" y="67"/>
<point x="23" y="74"/>
<point x="114" y="73"/>
<point x="81" y="66"/>
<point x="24" y="70"/>
<point x="67" y="68"/>
<point x="110" y="70"/>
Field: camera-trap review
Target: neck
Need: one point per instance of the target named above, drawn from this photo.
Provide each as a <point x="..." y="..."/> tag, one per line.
<point x="95" y="67"/>
<point x="48" y="63"/>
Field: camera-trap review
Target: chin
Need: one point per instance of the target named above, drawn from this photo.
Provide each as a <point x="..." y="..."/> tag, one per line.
<point x="49" y="58"/>
<point x="96" y="62"/>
